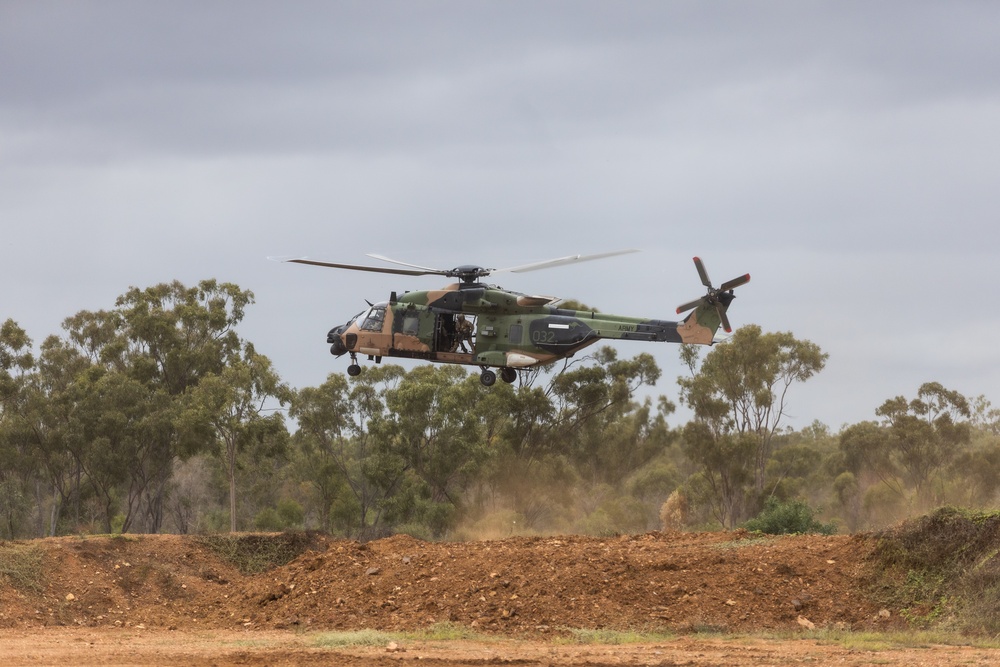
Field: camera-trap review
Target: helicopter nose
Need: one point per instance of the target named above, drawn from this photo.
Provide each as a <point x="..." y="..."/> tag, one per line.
<point x="337" y="346"/>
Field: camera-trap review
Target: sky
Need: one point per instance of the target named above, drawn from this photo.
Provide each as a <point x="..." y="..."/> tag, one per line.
<point x="845" y="154"/>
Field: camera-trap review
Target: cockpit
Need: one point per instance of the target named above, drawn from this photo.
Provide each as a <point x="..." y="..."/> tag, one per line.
<point x="373" y="318"/>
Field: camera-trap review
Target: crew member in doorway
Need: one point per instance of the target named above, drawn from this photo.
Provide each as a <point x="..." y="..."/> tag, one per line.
<point x="463" y="333"/>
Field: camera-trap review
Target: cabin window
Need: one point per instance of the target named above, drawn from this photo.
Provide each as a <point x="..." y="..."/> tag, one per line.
<point x="411" y="325"/>
<point x="516" y="330"/>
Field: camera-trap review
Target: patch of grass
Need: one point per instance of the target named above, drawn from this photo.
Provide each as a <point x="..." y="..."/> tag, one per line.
<point x="354" y="638"/>
<point x="616" y="637"/>
<point x="883" y="641"/>
<point x="848" y="639"/>
<point x="444" y="632"/>
<point x="741" y="542"/>
<point x="253" y="553"/>
<point x="709" y="629"/>
<point x="21" y="565"/>
<point x="440" y="632"/>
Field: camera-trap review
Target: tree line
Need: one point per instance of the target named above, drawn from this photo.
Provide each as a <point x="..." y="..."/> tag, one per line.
<point x="157" y="416"/>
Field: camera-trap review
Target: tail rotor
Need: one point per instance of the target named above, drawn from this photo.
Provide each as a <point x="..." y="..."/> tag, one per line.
<point x="719" y="297"/>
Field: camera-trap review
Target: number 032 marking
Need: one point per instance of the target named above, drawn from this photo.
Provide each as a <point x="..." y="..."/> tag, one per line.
<point x="543" y="336"/>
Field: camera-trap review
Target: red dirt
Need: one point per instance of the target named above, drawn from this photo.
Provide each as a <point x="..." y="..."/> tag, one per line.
<point x="104" y="590"/>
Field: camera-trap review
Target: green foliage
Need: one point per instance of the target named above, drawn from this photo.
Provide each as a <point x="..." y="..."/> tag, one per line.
<point x="787" y="517"/>
<point x="286" y="516"/>
<point x="918" y="455"/>
<point x="268" y="520"/>
<point x="291" y="513"/>
<point x="350" y="474"/>
<point x="104" y="413"/>
<point x="925" y="435"/>
<point x="228" y="408"/>
<point x="156" y="415"/>
<point x="738" y="398"/>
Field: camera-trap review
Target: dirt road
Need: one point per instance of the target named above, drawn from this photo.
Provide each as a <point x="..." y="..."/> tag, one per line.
<point x="222" y="648"/>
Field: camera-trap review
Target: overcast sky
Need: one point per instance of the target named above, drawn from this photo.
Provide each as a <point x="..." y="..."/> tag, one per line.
<point x="845" y="154"/>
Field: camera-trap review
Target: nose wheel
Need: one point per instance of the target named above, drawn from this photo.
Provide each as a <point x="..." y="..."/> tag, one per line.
<point x="354" y="369"/>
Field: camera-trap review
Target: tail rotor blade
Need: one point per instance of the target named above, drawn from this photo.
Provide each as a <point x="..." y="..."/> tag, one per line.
<point x="722" y="316"/>
<point x="689" y="305"/>
<point x="702" y="272"/>
<point x="735" y="282"/>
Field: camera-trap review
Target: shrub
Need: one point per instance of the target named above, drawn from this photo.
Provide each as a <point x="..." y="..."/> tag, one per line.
<point x="942" y="569"/>
<point x="789" y="517"/>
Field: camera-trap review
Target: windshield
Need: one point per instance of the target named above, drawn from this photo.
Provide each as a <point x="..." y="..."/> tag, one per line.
<point x="373" y="319"/>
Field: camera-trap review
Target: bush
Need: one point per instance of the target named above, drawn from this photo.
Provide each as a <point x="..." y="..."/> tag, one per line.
<point x="268" y="520"/>
<point x="790" y="517"/>
<point x="941" y="569"/>
<point x="289" y="514"/>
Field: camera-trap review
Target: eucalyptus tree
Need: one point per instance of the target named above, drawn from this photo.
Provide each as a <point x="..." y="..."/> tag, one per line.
<point x="167" y="338"/>
<point x="907" y="459"/>
<point x="16" y="467"/>
<point x="337" y="452"/>
<point x="596" y="413"/>
<point x="926" y="435"/>
<point x="738" y="396"/>
<point x="433" y="432"/>
<point x="107" y="396"/>
<point x="577" y="437"/>
<point x="236" y="410"/>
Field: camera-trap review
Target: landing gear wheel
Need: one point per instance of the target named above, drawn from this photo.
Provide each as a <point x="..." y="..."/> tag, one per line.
<point x="488" y="378"/>
<point x="354" y="370"/>
<point x="508" y="375"/>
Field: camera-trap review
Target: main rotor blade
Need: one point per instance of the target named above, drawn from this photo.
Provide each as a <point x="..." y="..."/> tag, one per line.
<point x="356" y="267"/>
<point x="570" y="259"/>
<point x="735" y="282"/>
<point x="396" y="261"/>
<point x="702" y="273"/>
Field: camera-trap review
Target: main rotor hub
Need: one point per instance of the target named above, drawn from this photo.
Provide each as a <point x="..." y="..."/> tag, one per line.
<point x="469" y="273"/>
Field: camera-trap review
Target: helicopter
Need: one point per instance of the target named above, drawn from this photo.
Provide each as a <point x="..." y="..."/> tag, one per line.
<point x="476" y="324"/>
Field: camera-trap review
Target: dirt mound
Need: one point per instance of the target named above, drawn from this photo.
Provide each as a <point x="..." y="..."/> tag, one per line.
<point x="516" y="586"/>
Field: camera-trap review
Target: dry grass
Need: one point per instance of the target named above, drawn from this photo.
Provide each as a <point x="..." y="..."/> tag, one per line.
<point x="21" y="565"/>
<point x="253" y="553"/>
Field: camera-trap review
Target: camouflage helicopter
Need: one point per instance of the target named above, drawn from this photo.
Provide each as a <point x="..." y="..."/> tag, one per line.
<point x="476" y="324"/>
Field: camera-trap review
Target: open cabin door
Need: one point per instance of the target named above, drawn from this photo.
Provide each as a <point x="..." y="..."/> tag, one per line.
<point x="455" y="333"/>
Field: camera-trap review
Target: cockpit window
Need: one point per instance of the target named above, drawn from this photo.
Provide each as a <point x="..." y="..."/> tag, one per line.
<point x="374" y="319"/>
